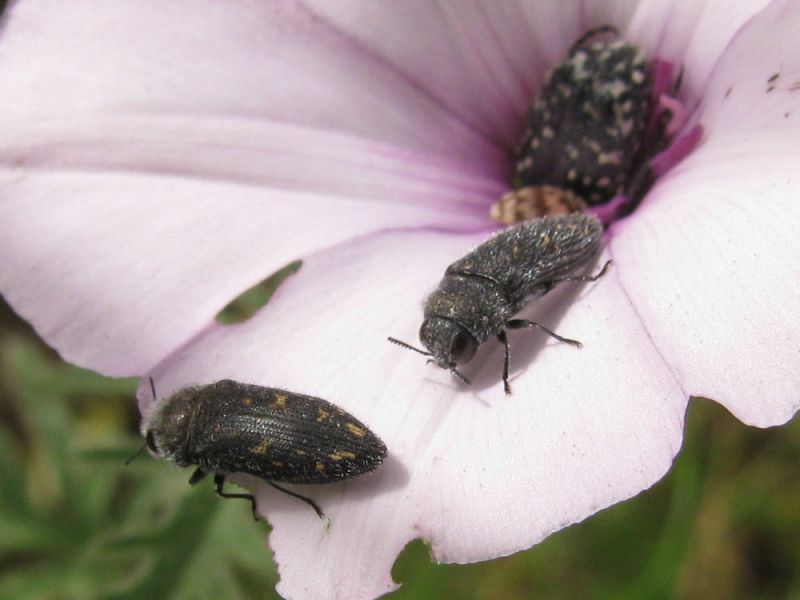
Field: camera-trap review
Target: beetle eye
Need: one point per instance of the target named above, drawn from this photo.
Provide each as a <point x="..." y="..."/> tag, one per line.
<point x="150" y="440"/>
<point x="463" y="347"/>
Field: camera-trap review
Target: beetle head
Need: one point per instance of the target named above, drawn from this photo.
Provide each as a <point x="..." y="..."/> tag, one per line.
<point x="448" y="342"/>
<point x="167" y="432"/>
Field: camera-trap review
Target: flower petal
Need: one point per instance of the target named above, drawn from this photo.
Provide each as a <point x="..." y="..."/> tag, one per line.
<point x="265" y="153"/>
<point x="710" y="259"/>
<point x="258" y="59"/>
<point x="483" y="63"/>
<point x="691" y="35"/>
<point x="116" y="271"/>
<point x="475" y="472"/>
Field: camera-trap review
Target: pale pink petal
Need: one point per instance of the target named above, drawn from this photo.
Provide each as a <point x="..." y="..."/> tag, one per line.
<point x="116" y="271"/>
<point x="692" y="35"/>
<point x="482" y="61"/>
<point x="474" y="472"/>
<point x="711" y="259"/>
<point x="265" y="153"/>
<point x="609" y="12"/>
<point x="61" y="142"/>
<point x="256" y="59"/>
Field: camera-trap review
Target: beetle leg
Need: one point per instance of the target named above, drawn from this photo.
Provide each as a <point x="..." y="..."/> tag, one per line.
<point x="308" y="501"/>
<point x="590" y="34"/>
<point x="602" y="272"/>
<point x="504" y="338"/>
<point x="198" y="475"/>
<point x="522" y="323"/>
<point x="219" y="481"/>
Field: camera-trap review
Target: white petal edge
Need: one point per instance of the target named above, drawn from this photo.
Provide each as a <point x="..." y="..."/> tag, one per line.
<point x="710" y="259"/>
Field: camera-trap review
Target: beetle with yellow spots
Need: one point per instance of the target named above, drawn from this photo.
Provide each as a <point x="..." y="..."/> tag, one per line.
<point x="230" y="427"/>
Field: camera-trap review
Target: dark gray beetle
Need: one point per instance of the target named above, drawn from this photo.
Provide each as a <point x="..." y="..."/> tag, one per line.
<point x="479" y="294"/>
<point x="230" y="427"/>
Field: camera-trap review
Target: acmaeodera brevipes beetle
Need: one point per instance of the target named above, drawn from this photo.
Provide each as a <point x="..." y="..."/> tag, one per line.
<point x="479" y="295"/>
<point x="230" y="427"/>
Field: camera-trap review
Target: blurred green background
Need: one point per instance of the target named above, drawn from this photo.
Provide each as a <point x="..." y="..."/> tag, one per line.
<point x="76" y="523"/>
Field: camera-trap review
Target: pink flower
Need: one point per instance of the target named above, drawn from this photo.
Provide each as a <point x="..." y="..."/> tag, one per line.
<point x="159" y="158"/>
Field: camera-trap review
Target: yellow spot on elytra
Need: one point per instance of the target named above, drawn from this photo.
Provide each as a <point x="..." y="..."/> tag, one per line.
<point x="277" y="463"/>
<point x="323" y="415"/>
<point x="320" y="468"/>
<point x="300" y="452"/>
<point x="341" y="455"/>
<point x="279" y="402"/>
<point x="357" y="431"/>
<point x="262" y="448"/>
<point x="247" y="401"/>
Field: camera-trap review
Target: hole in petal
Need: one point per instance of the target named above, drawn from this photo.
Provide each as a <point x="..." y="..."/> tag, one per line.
<point x="249" y="302"/>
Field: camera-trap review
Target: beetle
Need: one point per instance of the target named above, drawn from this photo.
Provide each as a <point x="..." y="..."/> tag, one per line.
<point x="479" y="294"/>
<point x="279" y="436"/>
<point x="586" y="127"/>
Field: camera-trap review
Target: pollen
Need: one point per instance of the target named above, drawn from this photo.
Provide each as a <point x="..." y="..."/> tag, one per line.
<point x="533" y="202"/>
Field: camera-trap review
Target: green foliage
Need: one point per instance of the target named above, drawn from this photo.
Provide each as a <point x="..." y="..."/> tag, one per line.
<point x="246" y="304"/>
<point x="75" y="522"/>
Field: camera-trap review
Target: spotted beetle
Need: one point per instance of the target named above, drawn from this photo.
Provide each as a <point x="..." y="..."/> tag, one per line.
<point x="480" y="293"/>
<point x="230" y="427"/>
<point x="586" y="126"/>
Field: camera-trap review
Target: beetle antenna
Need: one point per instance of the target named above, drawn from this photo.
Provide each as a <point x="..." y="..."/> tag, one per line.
<point x="138" y="452"/>
<point x="409" y="346"/>
<point x="453" y="370"/>
<point x="461" y="377"/>
<point x="590" y="34"/>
